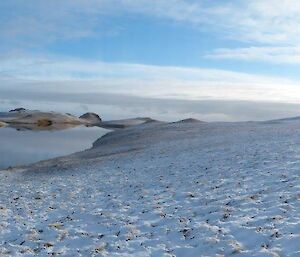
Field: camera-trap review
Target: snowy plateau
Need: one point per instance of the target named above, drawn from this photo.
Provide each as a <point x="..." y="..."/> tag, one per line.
<point x="182" y="189"/>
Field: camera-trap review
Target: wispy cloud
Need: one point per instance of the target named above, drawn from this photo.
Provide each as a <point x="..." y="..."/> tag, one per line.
<point x="32" y="23"/>
<point x="270" y="28"/>
<point x="263" y="21"/>
<point x="290" y="55"/>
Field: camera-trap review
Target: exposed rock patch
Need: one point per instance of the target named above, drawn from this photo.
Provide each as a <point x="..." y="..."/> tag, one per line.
<point x="23" y="119"/>
<point x="126" y="123"/>
<point x="2" y="124"/>
<point x="190" y="120"/>
<point x="43" y="119"/>
<point x="44" y="123"/>
<point x="18" y="110"/>
<point x="91" y="118"/>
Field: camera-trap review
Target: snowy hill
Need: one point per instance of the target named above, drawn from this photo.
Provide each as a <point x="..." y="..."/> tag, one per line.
<point x="161" y="189"/>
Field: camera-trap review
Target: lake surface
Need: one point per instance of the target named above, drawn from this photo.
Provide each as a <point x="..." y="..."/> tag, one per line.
<point x="24" y="147"/>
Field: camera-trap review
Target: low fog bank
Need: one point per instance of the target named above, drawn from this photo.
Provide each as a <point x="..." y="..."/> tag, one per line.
<point x="117" y="106"/>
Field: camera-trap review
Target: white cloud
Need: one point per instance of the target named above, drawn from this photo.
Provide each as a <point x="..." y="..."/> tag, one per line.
<point x="263" y="21"/>
<point x="290" y="55"/>
<point x="270" y="27"/>
<point x="56" y="74"/>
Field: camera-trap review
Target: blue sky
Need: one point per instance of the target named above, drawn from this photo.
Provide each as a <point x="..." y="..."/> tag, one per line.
<point x="231" y="50"/>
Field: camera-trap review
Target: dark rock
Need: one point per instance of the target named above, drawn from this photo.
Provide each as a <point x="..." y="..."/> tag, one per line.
<point x="190" y="120"/>
<point x="91" y="118"/>
<point x="18" y="110"/>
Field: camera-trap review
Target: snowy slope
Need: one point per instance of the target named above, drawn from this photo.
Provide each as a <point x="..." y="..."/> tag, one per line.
<point x="179" y="189"/>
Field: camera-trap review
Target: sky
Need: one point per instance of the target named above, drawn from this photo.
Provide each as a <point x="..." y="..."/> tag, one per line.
<point x="160" y="49"/>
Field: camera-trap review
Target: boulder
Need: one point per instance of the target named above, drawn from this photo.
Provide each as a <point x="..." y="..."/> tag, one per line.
<point x="91" y="118"/>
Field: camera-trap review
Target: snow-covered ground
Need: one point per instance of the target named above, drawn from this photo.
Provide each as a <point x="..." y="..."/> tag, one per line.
<point x="178" y="189"/>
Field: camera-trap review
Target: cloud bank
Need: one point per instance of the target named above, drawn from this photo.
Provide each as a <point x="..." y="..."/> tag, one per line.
<point x="72" y="75"/>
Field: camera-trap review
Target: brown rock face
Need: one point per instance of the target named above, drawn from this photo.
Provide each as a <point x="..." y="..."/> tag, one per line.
<point x="44" y="123"/>
<point x="2" y="124"/>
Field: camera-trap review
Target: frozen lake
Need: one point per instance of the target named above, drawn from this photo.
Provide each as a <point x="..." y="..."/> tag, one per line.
<point x="27" y="146"/>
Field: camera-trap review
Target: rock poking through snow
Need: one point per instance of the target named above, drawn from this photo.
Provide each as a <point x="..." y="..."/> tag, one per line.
<point x="3" y="124"/>
<point x="18" y="110"/>
<point x="91" y="118"/>
<point x="23" y="119"/>
<point x="45" y="119"/>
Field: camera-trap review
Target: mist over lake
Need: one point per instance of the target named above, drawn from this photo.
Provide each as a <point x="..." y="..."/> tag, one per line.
<point x="24" y="147"/>
<point x="120" y="106"/>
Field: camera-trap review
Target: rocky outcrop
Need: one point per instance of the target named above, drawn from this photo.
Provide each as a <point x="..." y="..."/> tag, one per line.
<point x="2" y="124"/>
<point x="118" y="124"/>
<point x="91" y="118"/>
<point x="37" y="117"/>
<point x="23" y="119"/>
<point x="45" y="119"/>
<point x="190" y="120"/>
<point x="18" y="110"/>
